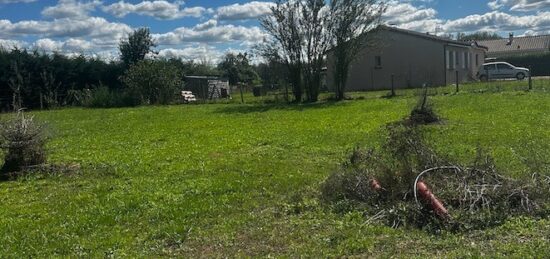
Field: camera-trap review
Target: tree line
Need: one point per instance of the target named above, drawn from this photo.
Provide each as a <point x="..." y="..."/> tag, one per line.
<point x="302" y="32"/>
<point x="34" y="79"/>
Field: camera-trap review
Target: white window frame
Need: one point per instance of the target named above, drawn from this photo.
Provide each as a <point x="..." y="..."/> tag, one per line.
<point x="448" y="59"/>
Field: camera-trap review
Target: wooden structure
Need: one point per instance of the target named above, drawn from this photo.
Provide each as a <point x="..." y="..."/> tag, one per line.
<point x="208" y="87"/>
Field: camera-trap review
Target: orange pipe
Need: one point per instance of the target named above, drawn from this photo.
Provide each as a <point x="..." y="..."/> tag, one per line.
<point x="432" y="200"/>
<point x="375" y="185"/>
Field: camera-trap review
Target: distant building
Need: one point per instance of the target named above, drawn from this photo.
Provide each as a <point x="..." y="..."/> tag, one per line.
<point x="208" y="87"/>
<point x="413" y="59"/>
<point x="517" y="46"/>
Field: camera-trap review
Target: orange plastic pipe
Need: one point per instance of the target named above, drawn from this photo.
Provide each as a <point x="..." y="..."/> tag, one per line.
<point x="432" y="200"/>
<point x="375" y="185"/>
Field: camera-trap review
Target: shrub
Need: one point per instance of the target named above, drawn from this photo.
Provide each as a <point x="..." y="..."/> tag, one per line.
<point x="23" y="141"/>
<point x="538" y="63"/>
<point x="103" y="97"/>
<point x="153" y="81"/>
<point x="423" y="112"/>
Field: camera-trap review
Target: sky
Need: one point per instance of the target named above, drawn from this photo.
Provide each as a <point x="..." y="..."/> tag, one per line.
<point x="206" y="29"/>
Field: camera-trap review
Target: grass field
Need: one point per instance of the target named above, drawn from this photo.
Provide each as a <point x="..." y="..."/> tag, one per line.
<point x="232" y="180"/>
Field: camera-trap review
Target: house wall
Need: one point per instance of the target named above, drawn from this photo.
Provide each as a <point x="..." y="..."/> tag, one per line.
<point x="464" y="60"/>
<point x="412" y="60"/>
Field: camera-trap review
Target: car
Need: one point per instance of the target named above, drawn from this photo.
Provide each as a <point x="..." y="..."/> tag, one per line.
<point x="502" y="70"/>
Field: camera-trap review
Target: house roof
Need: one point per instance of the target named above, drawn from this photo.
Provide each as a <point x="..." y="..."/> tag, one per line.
<point x="518" y="45"/>
<point x="430" y="36"/>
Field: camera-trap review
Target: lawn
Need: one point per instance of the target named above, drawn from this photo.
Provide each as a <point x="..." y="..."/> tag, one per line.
<point x="220" y="180"/>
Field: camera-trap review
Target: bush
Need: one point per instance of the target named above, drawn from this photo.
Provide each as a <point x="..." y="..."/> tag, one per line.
<point x="103" y="97"/>
<point x="538" y="63"/>
<point x="153" y="81"/>
<point x="23" y="140"/>
<point x="423" y="112"/>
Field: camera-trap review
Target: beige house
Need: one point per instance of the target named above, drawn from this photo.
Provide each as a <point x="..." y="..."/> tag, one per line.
<point x="412" y="59"/>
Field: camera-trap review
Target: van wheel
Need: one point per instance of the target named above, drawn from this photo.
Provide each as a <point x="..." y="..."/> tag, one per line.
<point x="520" y="76"/>
<point x="483" y="78"/>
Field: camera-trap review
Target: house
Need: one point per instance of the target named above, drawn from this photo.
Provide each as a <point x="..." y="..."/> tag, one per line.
<point x="208" y="87"/>
<point x="517" y="46"/>
<point x="410" y="59"/>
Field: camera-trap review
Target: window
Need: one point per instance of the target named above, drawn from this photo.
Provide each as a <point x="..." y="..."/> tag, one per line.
<point x="503" y="67"/>
<point x="455" y="58"/>
<point x="448" y="58"/>
<point x="489" y="67"/>
<point x="477" y="60"/>
<point x="378" y="62"/>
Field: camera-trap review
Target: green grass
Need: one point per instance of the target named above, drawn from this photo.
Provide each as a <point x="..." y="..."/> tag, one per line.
<point x="242" y="180"/>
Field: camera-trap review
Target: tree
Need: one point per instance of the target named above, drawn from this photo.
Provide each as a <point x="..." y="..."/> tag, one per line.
<point x="315" y="23"/>
<point x="351" y="20"/>
<point x="153" y="81"/>
<point x="237" y="69"/>
<point x="286" y="40"/>
<point x="136" y="47"/>
<point x="478" y="36"/>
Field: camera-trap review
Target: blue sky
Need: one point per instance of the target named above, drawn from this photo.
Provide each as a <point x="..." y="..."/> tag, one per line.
<point x="205" y="29"/>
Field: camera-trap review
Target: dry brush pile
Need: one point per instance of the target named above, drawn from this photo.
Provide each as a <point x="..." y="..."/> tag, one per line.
<point x="406" y="183"/>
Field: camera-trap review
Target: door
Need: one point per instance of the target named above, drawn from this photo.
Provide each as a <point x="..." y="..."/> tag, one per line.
<point x="505" y="71"/>
<point x="491" y="70"/>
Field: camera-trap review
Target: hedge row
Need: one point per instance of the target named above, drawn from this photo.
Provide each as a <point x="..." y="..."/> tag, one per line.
<point x="538" y="63"/>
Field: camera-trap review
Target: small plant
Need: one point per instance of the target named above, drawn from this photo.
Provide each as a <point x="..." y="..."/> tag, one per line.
<point x="423" y="112"/>
<point x="22" y="140"/>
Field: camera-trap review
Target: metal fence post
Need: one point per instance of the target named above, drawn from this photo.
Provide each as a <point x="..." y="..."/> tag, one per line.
<point x="530" y="82"/>
<point x="392" y="87"/>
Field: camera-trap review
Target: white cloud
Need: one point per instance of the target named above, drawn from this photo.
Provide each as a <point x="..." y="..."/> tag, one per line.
<point x="206" y="25"/>
<point x="95" y="27"/>
<point x="408" y="16"/>
<point x="162" y="10"/>
<point x="251" y="10"/>
<point x="69" y="46"/>
<point x="71" y="9"/>
<point x="47" y="45"/>
<point x="400" y="13"/>
<point x="195" y="53"/>
<point x="422" y="19"/>
<point x="214" y="34"/>
<point x="12" y="44"/>
<point x="520" y="5"/>
<point x="499" y="21"/>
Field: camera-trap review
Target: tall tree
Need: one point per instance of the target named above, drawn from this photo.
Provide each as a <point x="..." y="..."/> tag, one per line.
<point x="153" y="81"/>
<point x="237" y="68"/>
<point x="286" y="40"/>
<point x="136" y="47"/>
<point x="351" y="20"/>
<point x="315" y="23"/>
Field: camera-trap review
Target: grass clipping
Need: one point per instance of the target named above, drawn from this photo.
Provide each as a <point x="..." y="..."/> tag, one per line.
<point x="382" y="182"/>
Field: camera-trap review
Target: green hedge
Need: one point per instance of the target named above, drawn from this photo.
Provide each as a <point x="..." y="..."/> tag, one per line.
<point x="538" y="63"/>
